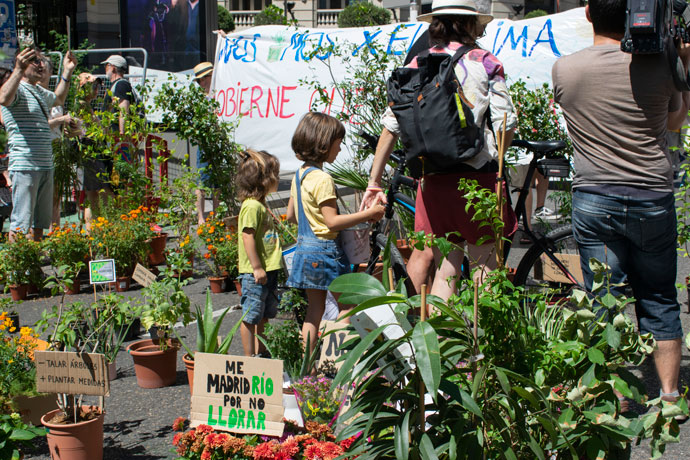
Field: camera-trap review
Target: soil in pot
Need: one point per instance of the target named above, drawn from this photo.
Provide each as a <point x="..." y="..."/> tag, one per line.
<point x="19" y="291"/>
<point x="189" y="366"/>
<point x="75" y="441"/>
<point x="217" y="284"/>
<point x="154" y="368"/>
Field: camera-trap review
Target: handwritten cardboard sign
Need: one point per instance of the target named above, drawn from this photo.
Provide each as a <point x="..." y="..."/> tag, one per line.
<point x="71" y="373"/>
<point x="549" y="271"/>
<point x="143" y="276"/>
<point x="330" y="349"/>
<point x="102" y="271"/>
<point x="238" y="394"/>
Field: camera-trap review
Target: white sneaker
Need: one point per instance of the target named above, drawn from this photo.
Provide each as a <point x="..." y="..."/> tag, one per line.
<point x="544" y="212"/>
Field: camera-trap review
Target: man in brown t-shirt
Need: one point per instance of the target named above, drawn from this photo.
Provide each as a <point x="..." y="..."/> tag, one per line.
<point x="618" y="108"/>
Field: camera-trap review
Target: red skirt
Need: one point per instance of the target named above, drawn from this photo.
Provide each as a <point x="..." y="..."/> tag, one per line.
<point x="440" y="208"/>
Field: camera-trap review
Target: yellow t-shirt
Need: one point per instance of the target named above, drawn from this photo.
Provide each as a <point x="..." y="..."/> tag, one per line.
<point x="317" y="188"/>
<point x="254" y="215"/>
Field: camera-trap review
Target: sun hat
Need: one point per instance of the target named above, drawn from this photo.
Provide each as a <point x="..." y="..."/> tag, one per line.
<point x="455" y="7"/>
<point x="86" y="77"/>
<point x="202" y="69"/>
<point x="116" y="60"/>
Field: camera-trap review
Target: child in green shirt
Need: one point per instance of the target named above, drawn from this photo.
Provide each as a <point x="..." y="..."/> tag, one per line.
<point x="260" y="255"/>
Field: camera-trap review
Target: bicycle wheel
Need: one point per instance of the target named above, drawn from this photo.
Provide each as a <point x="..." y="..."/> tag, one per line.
<point x="397" y="263"/>
<point x="537" y="273"/>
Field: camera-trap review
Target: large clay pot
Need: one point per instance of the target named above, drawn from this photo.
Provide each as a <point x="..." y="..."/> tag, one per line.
<point x="404" y="249"/>
<point x="154" y="368"/>
<point x="238" y="286"/>
<point x="217" y="284"/>
<point x="76" y="441"/>
<point x="122" y="283"/>
<point x="189" y="365"/>
<point x="19" y="291"/>
<point x="112" y="370"/>
<point x="157" y="254"/>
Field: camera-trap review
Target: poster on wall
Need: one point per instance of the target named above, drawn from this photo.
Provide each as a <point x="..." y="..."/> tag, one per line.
<point x="171" y="31"/>
<point x="8" y="33"/>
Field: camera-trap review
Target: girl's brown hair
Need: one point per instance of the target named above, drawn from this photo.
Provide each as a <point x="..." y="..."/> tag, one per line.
<point x="453" y="28"/>
<point x="315" y="134"/>
<point x="258" y="172"/>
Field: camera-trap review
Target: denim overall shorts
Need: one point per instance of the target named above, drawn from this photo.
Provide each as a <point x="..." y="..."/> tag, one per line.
<point x="316" y="262"/>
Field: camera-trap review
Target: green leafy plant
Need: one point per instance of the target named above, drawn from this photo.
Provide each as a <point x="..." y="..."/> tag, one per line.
<point x="22" y="261"/>
<point x="68" y="248"/>
<point x="293" y="301"/>
<point x="518" y="390"/>
<point x="108" y="324"/>
<point x="226" y="22"/>
<point x="536" y="14"/>
<point x="68" y="324"/>
<point x="15" y="434"/>
<point x="284" y="341"/>
<point x="363" y="14"/>
<point x="207" y="327"/>
<point x="271" y="15"/>
<point x="164" y="303"/>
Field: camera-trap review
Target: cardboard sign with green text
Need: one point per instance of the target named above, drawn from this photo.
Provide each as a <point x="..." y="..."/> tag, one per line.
<point x="238" y="394"/>
<point x="71" y="373"/>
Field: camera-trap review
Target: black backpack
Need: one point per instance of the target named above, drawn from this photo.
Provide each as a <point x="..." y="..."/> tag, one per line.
<point x="437" y="126"/>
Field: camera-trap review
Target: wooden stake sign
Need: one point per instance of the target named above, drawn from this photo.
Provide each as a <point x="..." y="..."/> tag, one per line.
<point x="238" y="394"/>
<point x="71" y="373"/>
<point x="143" y="276"/>
<point x="330" y="350"/>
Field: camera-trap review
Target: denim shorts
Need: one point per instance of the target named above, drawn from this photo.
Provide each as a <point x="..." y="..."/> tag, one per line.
<point x="202" y="166"/>
<point x="317" y="263"/>
<point x="637" y="239"/>
<point x="259" y="301"/>
<point x="32" y="200"/>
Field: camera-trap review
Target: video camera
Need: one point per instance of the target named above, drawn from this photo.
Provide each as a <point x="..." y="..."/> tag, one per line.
<point x="657" y="26"/>
<point x="651" y="23"/>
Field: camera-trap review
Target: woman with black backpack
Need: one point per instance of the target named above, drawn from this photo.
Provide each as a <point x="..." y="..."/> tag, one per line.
<point x="483" y="94"/>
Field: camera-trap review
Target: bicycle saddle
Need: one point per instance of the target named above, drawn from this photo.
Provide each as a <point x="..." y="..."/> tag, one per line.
<point x="539" y="146"/>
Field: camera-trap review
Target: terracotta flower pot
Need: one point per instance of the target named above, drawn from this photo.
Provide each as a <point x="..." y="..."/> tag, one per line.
<point x="19" y="291"/>
<point x="157" y="254"/>
<point x="189" y="365"/>
<point x="122" y="283"/>
<point x="217" y="284"/>
<point x="404" y="249"/>
<point x="75" y="441"/>
<point x="73" y="288"/>
<point x="238" y="286"/>
<point x="154" y="368"/>
<point x="112" y="370"/>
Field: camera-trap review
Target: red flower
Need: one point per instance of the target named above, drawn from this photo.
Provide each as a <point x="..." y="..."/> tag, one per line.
<point x="313" y="452"/>
<point x="264" y="451"/>
<point x="330" y="450"/>
<point x="176" y="438"/>
<point x="289" y="447"/>
<point x="347" y="443"/>
<point x="178" y="424"/>
<point x="201" y="429"/>
<point x="206" y="454"/>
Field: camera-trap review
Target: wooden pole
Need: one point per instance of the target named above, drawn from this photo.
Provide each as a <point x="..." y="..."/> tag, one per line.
<point x="476" y="310"/>
<point x="499" y="186"/>
<point x="422" y="389"/>
<point x="391" y="286"/>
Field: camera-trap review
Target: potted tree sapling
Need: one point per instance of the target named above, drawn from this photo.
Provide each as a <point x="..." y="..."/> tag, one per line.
<point x="164" y="304"/>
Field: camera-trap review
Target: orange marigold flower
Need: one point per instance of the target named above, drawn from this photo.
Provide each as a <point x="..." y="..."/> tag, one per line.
<point x="210" y="247"/>
<point x="199" y="231"/>
<point x="212" y="229"/>
<point x="207" y="256"/>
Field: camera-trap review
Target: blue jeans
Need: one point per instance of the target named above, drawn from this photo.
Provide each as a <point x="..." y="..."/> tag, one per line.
<point x="637" y="239"/>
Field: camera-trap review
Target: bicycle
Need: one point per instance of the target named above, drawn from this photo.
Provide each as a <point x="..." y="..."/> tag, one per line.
<point x="533" y="272"/>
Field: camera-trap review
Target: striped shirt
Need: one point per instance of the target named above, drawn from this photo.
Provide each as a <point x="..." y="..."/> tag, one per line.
<point x="26" y="122"/>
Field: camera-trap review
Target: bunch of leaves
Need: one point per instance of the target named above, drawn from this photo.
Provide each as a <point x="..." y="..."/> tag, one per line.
<point x="67" y="322"/>
<point x="107" y="325"/>
<point x="8" y="306"/>
<point x="22" y="260"/>
<point x="17" y="367"/>
<point x="207" y="327"/>
<point x="271" y="15"/>
<point x="287" y="231"/>
<point x="179" y="200"/>
<point x="284" y="341"/>
<point x="15" y="434"/>
<point x="193" y="116"/>
<point x="293" y="301"/>
<point x="164" y="303"/>
<point x="490" y="398"/>
<point x="226" y="22"/>
<point x="318" y="401"/>
<point x="311" y="442"/>
<point x="67" y="245"/>
<point x="363" y="14"/>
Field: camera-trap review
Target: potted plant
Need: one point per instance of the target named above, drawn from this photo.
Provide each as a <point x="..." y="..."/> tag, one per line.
<point x="15" y="434"/>
<point x="69" y="325"/>
<point x="207" y="327"/>
<point x="22" y="264"/>
<point x="164" y="304"/>
<point x="318" y="400"/>
<point x="68" y="249"/>
<point x="221" y="255"/>
<point x="181" y="259"/>
<point x="18" y="373"/>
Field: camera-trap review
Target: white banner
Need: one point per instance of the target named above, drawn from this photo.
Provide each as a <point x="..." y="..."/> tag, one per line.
<point x="258" y="71"/>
